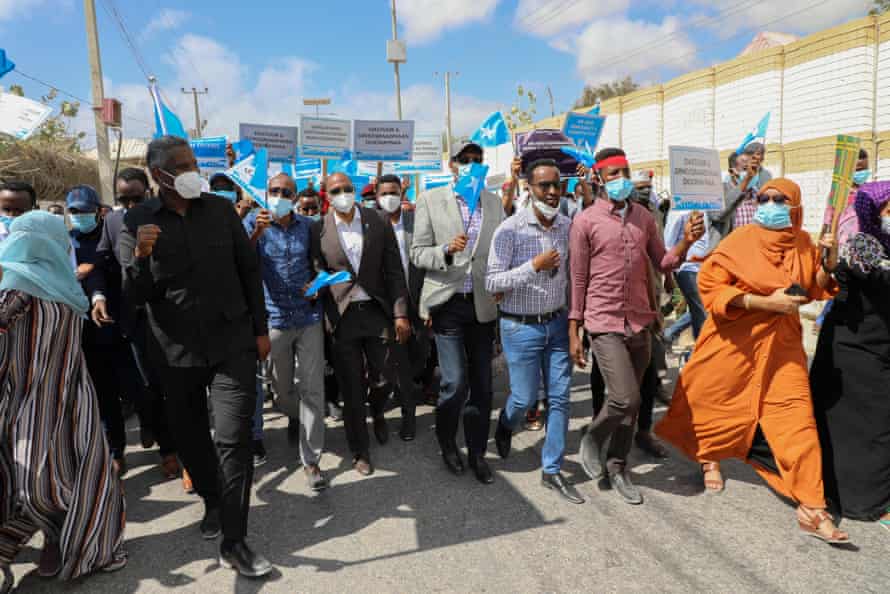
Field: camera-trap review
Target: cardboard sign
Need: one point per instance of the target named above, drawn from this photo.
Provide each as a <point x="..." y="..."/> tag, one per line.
<point x="211" y="154"/>
<point x="427" y="154"/>
<point x="21" y="117"/>
<point x="584" y="130"/>
<point x="324" y="137"/>
<point x="280" y="141"/>
<point x="696" y="178"/>
<point x="380" y="140"/>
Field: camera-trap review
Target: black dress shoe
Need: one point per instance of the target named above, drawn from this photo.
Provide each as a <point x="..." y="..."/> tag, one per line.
<point x="453" y="461"/>
<point x="591" y="456"/>
<point x="238" y="556"/>
<point x="480" y="468"/>
<point x="210" y="526"/>
<point x="381" y="430"/>
<point x="650" y="444"/>
<point x="408" y="430"/>
<point x="626" y="489"/>
<point x="502" y="439"/>
<point x="146" y="436"/>
<point x="559" y="484"/>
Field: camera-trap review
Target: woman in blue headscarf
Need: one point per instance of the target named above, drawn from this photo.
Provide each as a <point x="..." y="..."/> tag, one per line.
<point x="55" y="469"/>
<point x="851" y="370"/>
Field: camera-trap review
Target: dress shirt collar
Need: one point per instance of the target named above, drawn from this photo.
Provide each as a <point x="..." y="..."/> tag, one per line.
<point x="356" y="218"/>
<point x="607" y="206"/>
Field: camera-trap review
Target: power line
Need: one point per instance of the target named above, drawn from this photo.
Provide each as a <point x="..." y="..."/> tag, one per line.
<point x="544" y="8"/>
<point x="115" y="15"/>
<point x="557" y="12"/>
<point x="187" y="55"/>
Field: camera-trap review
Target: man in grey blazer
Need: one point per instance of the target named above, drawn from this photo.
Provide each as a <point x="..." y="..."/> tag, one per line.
<point x="365" y="313"/>
<point x="451" y="244"/>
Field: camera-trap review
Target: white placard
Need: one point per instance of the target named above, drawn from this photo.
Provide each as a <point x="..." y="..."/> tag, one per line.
<point x="380" y="140"/>
<point x="20" y="117"/>
<point x="280" y="141"/>
<point x="427" y="154"/>
<point x="324" y="137"/>
<point x="696" y="178"/>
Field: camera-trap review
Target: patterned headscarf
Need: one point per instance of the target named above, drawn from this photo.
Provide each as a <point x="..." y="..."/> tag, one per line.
<point x="869" y="202"/>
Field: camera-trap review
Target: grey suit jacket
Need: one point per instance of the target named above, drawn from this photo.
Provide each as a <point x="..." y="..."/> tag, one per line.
<point x="437" y="221"/>
<point x="380" y="273"/>
<point x="415" y="274"/>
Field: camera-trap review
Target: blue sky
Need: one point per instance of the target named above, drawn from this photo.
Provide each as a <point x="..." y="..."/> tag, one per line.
<point x="261" y="58"/>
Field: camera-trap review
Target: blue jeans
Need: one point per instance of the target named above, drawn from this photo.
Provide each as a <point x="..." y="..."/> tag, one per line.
<point x="677" y="328"/>
<point x="687" y="280"/>
<point x="465" y="348"/>
<point x="529" y="349"/>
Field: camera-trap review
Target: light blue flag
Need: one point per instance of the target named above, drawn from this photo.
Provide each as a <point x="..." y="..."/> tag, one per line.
<point x="346" y="165"/>
<point x="167" y="123"/>
<point x="6" y="65"/>
<point x="758" y="133"/>
<point x="287" y="168"/>
<point x="260" y="177"/>
<point x="580" y="155"/>
<point x="470" y="183"/>
<point x="492" y="132"/>
<point x="243" y="149"/>
<point x="325" y="279"/>
<point x="595" y="110"/>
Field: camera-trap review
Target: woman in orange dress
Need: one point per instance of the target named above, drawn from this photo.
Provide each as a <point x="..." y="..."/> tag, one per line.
<point x="748" y="373"/>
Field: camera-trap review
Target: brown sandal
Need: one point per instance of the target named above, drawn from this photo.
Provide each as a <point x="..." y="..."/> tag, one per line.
<point x="713" y="485"/>
<point x="811" y="526"/>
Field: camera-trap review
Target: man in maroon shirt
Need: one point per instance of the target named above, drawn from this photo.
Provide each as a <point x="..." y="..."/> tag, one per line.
<point x="611" y="245"/>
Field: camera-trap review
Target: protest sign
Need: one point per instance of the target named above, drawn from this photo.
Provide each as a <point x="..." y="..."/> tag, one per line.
<point x="846" y="153"/>
<point x="21" y="117"/>
<point x="379" y="140"/>
<point x="324" y="137"/>
<point x="211" y="154"/>
<point x="696" y="178"/>
<point x="427" y="154"/>
<point x="584" y="129"/>
<point x="428" y="182"/>
<point x="280" y="141"/>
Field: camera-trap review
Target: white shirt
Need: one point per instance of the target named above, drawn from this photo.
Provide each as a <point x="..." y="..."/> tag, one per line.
<point x="352" y="241"/>
<point x="399" y="229"/>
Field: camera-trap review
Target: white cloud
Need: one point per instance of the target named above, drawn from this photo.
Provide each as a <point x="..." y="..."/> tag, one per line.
<point x="548" y="17"/>
<point x="609" y="49"/>
<point x="789" y="16"/>
<point x="425" y="20"/>
<point x="10" y="9"/>
<point x="166" y="20"/>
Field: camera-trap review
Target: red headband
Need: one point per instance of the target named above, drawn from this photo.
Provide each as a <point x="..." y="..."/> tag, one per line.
<point x="616" y="161"/>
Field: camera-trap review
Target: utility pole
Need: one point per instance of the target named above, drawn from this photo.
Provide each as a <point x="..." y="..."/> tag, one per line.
<point x="550" y="94"/>
<point x="195" y="92"/>
<point x="396" y="52"/>
<point x="102" y="151"/>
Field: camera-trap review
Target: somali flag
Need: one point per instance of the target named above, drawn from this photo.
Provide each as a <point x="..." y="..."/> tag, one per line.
<point x="346" y="165"/>
<point x="167" y="123"/>
<point x="756" y="134"/>
<point x="492" y="132"/>
<point x="470" y="183"/>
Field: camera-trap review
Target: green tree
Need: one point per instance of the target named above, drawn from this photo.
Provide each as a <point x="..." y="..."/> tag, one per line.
<point x="591" y="94"/>
<point x="880" y="7"/>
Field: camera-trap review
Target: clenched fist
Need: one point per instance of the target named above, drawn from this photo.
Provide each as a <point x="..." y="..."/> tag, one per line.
<point x="146" y="238"/>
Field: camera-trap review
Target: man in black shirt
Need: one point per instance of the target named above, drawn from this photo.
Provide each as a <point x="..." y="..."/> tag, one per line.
<point x="187" y="258"/>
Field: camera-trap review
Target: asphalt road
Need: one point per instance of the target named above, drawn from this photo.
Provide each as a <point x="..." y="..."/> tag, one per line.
<point x="412" y="527"/>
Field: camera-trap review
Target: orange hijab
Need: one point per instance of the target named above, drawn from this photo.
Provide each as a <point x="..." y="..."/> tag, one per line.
<point x="767" y="259"/>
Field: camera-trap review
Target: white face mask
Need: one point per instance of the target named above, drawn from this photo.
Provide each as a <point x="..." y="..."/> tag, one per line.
<point x="547" y="211"/>
<point x="390" y="202"/>
<point x="343" y="203"/>
<point x="189" y="185"/>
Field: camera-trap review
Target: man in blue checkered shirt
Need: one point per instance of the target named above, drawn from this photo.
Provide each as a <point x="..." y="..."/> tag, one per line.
<point x="528" y="271"/>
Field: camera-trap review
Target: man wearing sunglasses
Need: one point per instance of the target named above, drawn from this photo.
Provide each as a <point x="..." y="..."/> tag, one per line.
<point x="283" y="244"/>
<point x="364" y="313"/>
<point x="452" y="243"/>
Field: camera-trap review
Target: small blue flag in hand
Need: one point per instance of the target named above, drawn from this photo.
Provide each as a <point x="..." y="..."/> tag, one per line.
<point x="580" y="155"/>
<point x="243" y="148"/>
<point x="325" y="279"/>
<point x="6" y="65"/>
<point x="757" y="134"/>
<point x="470" y="183"/>
<point x="492" y="132"/>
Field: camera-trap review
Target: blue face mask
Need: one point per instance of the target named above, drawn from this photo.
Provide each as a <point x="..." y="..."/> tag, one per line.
<point x="83" y="223"/>
<point x="619" y="189"/>
<point x="280" y="207"/>
<point x="315" y="217"/>
<point x="773" y="216"/>
<point x="861" y="177"/>
<point x="230" y="195"/>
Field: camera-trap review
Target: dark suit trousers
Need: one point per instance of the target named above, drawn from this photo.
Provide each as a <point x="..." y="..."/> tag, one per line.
<point x="224" y="479"/>
<point x="101" y="365"/>
<point x="465" y="350"/>
<point x="359" y="337"/>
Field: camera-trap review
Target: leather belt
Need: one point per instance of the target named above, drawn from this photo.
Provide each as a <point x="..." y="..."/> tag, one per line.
<point x="533" y="319"/>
